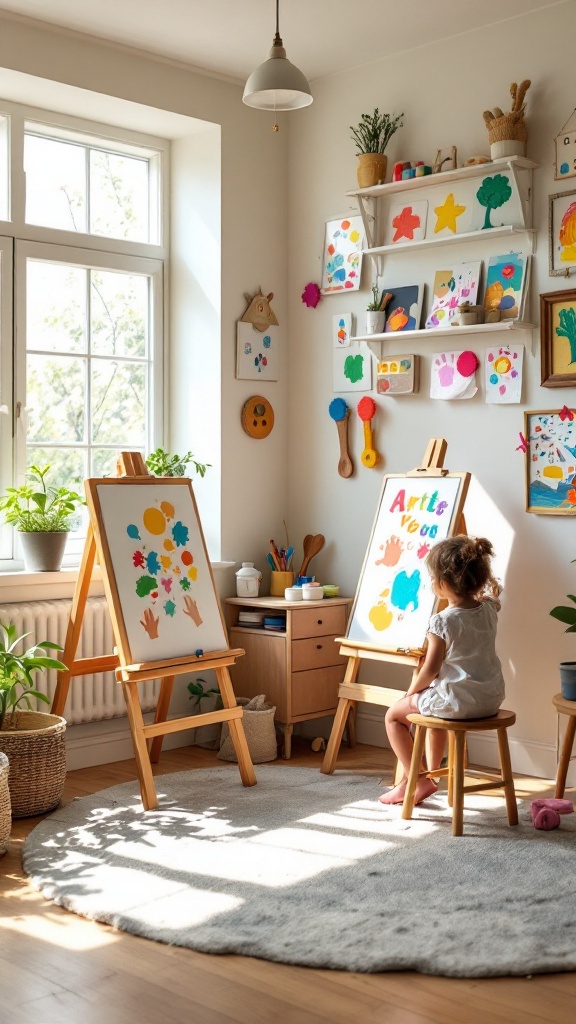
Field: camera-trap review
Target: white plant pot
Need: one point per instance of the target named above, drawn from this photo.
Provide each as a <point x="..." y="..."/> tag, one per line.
<point x="508" y="147"/>
<point x="375" y="320"/>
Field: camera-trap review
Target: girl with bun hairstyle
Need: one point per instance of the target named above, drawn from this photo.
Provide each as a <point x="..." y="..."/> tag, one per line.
<point x="460" y="675"/>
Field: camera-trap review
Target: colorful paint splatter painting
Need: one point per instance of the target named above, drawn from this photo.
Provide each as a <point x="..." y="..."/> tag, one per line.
<point x="158" y="561"/>
<point x="503" y="369"/>
<point x="506" y="278"/>
<point x="341" y="330"/>
<point x="256" y="352"/>
<point x="352" y="368"/>
<point x="551" y="462"/>
<point x="452" y="285"/>
<point x="394" y="599"/>
<point x="342" y="257"/>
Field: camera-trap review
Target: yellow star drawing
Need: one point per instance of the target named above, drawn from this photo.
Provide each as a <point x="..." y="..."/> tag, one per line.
<point x="447" y="214"/>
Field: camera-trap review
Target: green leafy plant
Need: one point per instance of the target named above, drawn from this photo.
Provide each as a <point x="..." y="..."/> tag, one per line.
<point x="374" y="131"/>
<point x="379" y="299"/>
<point x="198" y="691"/>
<point x="567" y="329"/>
<point x="39" y="507"/>
<point x="566" y="613"/>
<point x="16" y="683"/>
<point x="162" y="463"/>
<point x="493" y="192"/>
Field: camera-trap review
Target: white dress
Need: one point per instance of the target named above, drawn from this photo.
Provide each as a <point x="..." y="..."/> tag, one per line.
<point x="470" y="683"/>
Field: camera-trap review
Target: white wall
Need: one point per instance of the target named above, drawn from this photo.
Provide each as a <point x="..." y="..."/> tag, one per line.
<point x="443" y="94"/>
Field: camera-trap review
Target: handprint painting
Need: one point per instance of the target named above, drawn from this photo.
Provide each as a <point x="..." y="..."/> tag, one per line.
<point x="158" y="565"/>
<point x="394" y="599"/>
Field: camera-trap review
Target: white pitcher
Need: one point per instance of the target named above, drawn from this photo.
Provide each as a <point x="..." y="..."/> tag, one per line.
<point x="248" y="580"/>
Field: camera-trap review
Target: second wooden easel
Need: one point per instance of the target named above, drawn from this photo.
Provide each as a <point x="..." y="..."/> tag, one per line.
<point x="351" y="692"/>
<point x="147" y="739"/>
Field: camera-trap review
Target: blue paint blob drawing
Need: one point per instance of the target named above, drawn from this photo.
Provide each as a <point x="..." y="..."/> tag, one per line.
<point x="152" y="564"/>
<point x="132" y="531"/>
<point x="266" y="341"/>
<point x="405" y="590"/>
<point x="170" y="608"/>
<point x="180" y="534"/>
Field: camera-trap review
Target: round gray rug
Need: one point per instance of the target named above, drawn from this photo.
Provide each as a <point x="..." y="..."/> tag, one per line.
<point x="310" y="869"/>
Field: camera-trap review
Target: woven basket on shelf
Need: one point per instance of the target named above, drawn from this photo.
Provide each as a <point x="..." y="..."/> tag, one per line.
<point x="5" y="812"/>
<point x="34" y="745"/>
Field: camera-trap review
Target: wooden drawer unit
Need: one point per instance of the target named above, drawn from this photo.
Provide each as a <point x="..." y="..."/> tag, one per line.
<point x="299" y="669"/>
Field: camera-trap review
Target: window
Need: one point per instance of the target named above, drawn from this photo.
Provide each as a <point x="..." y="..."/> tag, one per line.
<point x="84" y="358"/>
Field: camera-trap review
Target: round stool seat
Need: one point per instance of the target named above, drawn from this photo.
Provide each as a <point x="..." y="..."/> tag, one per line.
<point x="501" y="719"/>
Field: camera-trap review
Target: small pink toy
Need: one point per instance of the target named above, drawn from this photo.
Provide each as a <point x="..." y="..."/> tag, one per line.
<point x="545" y="813"/>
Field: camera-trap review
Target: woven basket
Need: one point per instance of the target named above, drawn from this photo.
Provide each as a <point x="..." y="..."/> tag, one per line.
<point x="5" y="811"/>
<point x="260" y="732"/>
<point x="34" y="745"/>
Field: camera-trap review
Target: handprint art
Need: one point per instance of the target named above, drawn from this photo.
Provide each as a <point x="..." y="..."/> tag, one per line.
<point x="191" y="609"/>
<point x="150" y="623"/>
<point x="453" y="375"/>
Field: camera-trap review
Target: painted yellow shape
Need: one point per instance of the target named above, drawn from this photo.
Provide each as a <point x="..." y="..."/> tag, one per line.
<point x="447" y="214"/>
<point x="167" y="509"/>
<point x="553" y="472"/>
<point x="168" y="545"/>
<point x="192" y="573"/>
<point x="154" y="521"/>
<point x="165" y="561"/>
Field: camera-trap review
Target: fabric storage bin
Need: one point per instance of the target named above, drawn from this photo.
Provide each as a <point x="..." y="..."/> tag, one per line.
<point x="258" y="722"/>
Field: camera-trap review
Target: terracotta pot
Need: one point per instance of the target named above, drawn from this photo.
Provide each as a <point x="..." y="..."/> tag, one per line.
<point x="371" y="169"/>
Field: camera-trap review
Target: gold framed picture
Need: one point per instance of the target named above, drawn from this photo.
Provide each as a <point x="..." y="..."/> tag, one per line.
<point x="558" y="339"/>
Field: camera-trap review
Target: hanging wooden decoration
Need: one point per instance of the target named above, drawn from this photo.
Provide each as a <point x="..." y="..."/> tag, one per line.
<point x="257" y="417"/>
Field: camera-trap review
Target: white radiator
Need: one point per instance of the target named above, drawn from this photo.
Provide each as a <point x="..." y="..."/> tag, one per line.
<point x="91" y="698"/>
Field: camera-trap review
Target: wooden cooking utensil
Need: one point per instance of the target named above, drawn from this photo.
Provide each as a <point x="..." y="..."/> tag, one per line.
<point x="340" y="412"/>
<point x="366" y="410"/>
<point x="312" y="545"/>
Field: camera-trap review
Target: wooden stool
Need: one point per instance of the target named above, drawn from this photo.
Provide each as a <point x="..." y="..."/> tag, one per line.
<point x="564" y="707"/>
<point x="457" y="729"/>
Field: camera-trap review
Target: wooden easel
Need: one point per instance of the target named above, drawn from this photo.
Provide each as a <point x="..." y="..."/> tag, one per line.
<point x="147" y="739"/>
<point x="351" y="692"/>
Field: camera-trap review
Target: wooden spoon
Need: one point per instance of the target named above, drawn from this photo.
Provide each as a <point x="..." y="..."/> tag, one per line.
<point x="366" y="410"/>
<point x="314" y="545"/>
<point x="340" y="412"/>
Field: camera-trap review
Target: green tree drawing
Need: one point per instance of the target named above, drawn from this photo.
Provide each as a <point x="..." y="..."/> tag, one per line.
<point x="567" y="329"/>
<point x="493" y="192"/>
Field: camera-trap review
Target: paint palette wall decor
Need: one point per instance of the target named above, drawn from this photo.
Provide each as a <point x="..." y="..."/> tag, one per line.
<point x="453" y="284"/>
<point x="398" y="375"/>
<point x="344" y="240"/>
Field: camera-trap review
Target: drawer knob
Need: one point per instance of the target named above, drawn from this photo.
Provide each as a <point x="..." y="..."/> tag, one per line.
<point x="318" y="647"/>
<point x="319" y="622"/>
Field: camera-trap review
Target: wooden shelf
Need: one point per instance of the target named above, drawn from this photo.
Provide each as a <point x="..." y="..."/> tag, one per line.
<point x="505" y="231"/>
<point x="438" y="332"/>
<point x="475" y="171"/>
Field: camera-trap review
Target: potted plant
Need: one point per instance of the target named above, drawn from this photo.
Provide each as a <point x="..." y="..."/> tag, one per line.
<point x="43" y="516"/>
<point x="372" y="135"/>
<point x="205" y="734"/>
<point x="33" y="741"/>
<point x="161" y="463"/>
<point x="376" y="310"/>
<point x="567" y="615"/>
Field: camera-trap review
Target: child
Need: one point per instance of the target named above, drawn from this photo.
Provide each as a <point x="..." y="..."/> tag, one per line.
<point x="460" y="675"/>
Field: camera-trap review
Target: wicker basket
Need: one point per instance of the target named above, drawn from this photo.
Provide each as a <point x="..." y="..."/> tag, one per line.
<point x="258" y="722"/>
<point x="34" y="745"/>
<point x="5" y="812"/>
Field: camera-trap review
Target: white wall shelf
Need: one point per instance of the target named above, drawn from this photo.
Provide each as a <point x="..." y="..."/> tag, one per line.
<point x="505" y="231"/>
<point x="512" y="163"/>
<point x="438" y="332"/>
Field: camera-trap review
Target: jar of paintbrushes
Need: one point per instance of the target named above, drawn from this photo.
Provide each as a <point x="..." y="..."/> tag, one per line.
<point x="280" y="562"/>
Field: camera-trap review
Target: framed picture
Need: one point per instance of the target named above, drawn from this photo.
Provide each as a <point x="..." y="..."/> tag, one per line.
<point x="558" y="339"/>
<point x="344" y="240"/>
<point x="550" y="437"/>
<point x="562" y="233"/>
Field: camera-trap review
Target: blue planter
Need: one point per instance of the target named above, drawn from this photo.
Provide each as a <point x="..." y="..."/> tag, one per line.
<point x="568" y="679"/>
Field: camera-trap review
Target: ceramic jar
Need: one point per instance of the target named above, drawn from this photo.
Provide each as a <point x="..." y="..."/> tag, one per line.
<point x="248" y="580"/>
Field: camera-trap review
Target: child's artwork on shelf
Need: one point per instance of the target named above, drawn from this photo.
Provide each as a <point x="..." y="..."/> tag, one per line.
<point x="503" y="375"/>
<point x="407" y="222"/>
<point x="455" y="284"/>
<point x="256" y="352"/>
<point x="398" y="375"/>
<point x="453" y="375"/>
<point x="404" y="310"/>
<point x="565" y="142"/>
<point x="344" y="240"/>
<point x="493" y="203"/>
<point x="452" y="217"/>
<point x="352" y="368"/>
<point x="341" y="330"/>
<point x="550" y="462"/>
<point x="506" y="285"/>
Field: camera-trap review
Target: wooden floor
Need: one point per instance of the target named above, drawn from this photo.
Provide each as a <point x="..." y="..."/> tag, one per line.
<point x="57" y="968"/>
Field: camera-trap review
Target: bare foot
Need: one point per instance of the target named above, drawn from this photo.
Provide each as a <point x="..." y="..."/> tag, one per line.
<point x="394" y="796"/>
<point x="424" y="788"/>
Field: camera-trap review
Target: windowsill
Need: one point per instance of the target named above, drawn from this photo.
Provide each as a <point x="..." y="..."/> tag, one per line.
<point x="20" y="585"/>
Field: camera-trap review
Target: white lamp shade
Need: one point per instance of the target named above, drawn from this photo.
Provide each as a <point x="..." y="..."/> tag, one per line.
<point x="277" y="84"/>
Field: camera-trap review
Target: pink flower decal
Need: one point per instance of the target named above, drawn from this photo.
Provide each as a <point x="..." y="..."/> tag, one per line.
<point x="311" y="295"/>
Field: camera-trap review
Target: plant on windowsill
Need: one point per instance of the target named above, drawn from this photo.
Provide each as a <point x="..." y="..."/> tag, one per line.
<point x="33" y="741"/>
<point x="43" y="515"/>
<point x="567" y="615"/>
<point x="162" y="463"/>
<point x="371" y="136"/>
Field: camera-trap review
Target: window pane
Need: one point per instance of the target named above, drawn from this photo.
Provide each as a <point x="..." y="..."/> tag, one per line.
<point x="119" y="403"/>
<point x="55" y="307"/>
<point x="119" y="314"/>
<point x="67" y="466"/>
<point x="104" y="461"/>
<point x="56" y="399"/>
<point x="118" y="196"/>
<point x="55" y="183"/>
<point x="4" y="176"/>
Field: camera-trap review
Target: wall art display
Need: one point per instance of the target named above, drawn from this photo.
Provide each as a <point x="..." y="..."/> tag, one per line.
<point x="453" y="375"/>
<point x="352" y="368"/>
<point x="407" y="222"/>
<point x="558" y="339"/>
<point x="493" y="199"/>
<point x="452" y="216"/>
<point x="342" y="256"/>
<point x="256" y="352"/>
<point x="404" y="310"/>
<point x="503" y="374"/>
<point x="507" y="285"/>
<point x="565" y="143"/>
<point x="550" y="462"/>
<point x="398" y="375"/>
<point x="561" y="233"/>
<point x="341" y="330"/>
<point x="453" y="284"/>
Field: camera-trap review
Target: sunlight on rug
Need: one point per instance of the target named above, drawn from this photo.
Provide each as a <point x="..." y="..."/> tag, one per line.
<point x="310" y="869"/>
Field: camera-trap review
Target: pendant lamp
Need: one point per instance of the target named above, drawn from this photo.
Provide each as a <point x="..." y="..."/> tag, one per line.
<point x="277" y="84"/>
